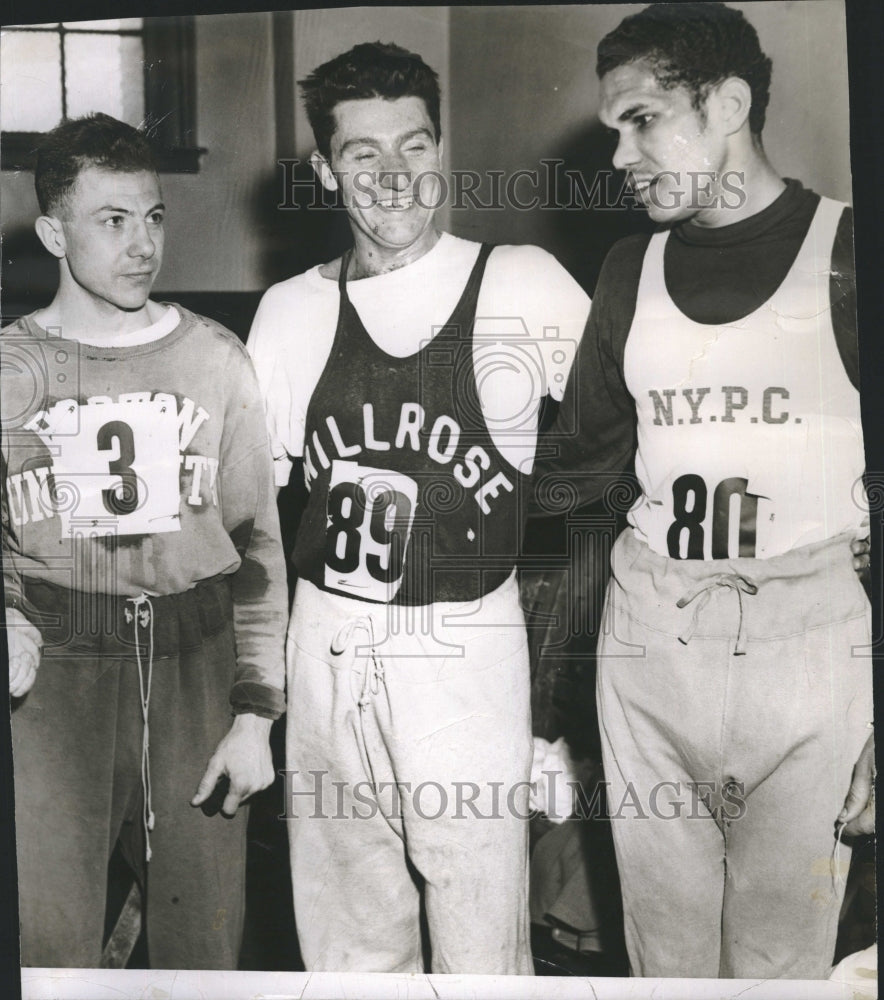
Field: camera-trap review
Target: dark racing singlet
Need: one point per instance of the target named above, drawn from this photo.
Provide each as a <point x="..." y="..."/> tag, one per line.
<point x="410" y="500"/>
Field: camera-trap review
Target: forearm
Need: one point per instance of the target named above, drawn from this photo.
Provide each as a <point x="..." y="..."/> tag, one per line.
<point x="260" y="593"/>
<point x="591" y="445"/>
<point x="592" y="441"/>
<point x="260" y="603"/>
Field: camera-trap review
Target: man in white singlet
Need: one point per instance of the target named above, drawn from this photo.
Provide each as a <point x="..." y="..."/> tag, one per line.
<point x="734" y="680"/>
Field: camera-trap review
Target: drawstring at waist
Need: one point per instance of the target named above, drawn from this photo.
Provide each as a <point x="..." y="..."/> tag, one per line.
<point x="839" y="878"/>
<point x="731" y="581"/>
<point x="374" y="670"/>
<point x="142" y="616"/>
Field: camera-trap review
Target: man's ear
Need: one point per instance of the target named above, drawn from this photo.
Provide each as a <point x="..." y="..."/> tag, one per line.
<point x="323" y="171"/>
<point x="735" y="101"/>
<point x="51" y="234"/>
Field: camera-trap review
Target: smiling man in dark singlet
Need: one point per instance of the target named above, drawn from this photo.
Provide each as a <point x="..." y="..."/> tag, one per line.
<point x="408" y="376"/>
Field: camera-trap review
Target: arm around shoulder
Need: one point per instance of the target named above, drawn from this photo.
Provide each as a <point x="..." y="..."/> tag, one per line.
<point x="593" y="439"/>
<point x="529" y="284"/>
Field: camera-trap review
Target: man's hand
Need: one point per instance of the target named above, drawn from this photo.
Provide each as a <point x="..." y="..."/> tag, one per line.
<point x="861" y="547"/>
<point x="25" y="645"/>
<point x="858" y="815"/>
<point x="244" y="756"/>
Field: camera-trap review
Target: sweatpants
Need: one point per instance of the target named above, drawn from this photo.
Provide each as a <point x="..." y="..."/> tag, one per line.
<point x="408" y="752"/>
<point x="82" y="779"/>
<point x="734" y="699"/>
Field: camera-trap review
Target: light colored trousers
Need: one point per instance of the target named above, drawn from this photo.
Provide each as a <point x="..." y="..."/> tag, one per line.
<point x="730" y="727"/>
<point x="408" y="748"/>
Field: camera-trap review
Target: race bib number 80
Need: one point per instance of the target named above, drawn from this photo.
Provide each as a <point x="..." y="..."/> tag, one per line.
<point x="727" y="513"/>
<point x="370" y="515"/>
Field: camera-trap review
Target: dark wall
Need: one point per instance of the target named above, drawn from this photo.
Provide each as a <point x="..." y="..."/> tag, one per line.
<point x="524" y="90"/>
<point x="519" y="88"/>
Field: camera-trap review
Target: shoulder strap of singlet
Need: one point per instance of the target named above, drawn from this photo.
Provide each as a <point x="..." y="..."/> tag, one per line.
<point x="824" y="226"/>
<point x="651" y="282"/>
<point x="462" y="320"/>
<point x="464" y="314"/>
<point x="342" y="277"/>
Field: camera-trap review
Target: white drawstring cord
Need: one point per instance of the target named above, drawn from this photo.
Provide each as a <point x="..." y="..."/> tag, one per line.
<point x="732" y="581"/>
<point x="839" y="879"/>
<point x="143" y="616"/>
<point x="374" y="673"/>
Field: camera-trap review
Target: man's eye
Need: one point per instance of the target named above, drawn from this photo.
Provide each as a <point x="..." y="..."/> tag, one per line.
<point x="642" y="121"/>
<point x="157" y="218"/>
<point x="114" y="221"/>
<point x="366" y="154"/>
<point x="416" y="149"/>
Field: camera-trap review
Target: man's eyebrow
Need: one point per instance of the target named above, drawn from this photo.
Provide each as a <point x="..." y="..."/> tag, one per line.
<point x="372" y="141"/>
<point x="416" y="132"/>
<point x="631" y="112"/>
<point x="360" y="141"/>
<point x="125" y="211"/>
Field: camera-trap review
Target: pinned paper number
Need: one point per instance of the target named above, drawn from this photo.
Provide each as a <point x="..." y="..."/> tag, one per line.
<point x="120" y="467"/>
<point x="734" y="519"/>
<point x="370" y="514"/>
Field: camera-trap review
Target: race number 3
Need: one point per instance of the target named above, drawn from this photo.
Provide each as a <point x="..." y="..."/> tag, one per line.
<point x="370" y="513"/>
<point x="733" y="521"/>
<point x="120" y="469"/>
<point x="118" y="436"/>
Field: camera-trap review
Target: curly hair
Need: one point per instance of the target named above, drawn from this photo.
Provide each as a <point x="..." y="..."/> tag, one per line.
<point x="373" y="69"/>
<point x="95" y="140"/>
<point x="694" y="45"/>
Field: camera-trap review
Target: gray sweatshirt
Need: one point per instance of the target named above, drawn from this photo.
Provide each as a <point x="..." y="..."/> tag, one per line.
<point x="145" y="469"/>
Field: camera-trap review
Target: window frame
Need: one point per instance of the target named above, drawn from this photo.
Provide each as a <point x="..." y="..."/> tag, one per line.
<point x="169" y="100"/>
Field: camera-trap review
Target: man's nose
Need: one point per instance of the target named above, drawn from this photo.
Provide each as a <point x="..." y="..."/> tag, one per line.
<point x="142" y="243"/>
<point x="626" y="155"/>
<point x="394" y="174"/>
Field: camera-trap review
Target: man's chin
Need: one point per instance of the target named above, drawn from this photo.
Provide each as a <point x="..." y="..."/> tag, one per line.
<point x="133" y="298"/>
<point x="132" y="303"/>
<point x="392" y="238"/>
<point x="667" y="216"/>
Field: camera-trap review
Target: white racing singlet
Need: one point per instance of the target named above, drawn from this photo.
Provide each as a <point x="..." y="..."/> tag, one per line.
<point x="749" y="434"/>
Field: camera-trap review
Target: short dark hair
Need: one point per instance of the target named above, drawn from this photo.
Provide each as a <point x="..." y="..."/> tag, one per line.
<point x="373" y="69"/>
<point x="95" y="140"/>
<point x="695" y="45"/>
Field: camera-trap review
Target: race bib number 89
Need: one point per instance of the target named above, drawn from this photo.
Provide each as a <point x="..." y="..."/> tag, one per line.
<point x="370" y="513"/>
